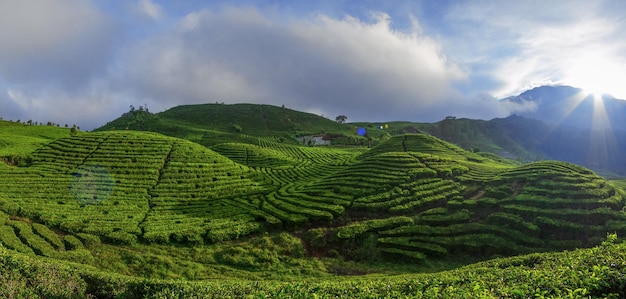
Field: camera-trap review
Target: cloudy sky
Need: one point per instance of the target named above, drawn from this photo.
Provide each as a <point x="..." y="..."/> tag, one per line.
<point x="85" y="62"/>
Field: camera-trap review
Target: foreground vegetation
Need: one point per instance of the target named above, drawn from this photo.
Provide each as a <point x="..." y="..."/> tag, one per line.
<point x="594" y="272"/>
<point x="133" y="214"/>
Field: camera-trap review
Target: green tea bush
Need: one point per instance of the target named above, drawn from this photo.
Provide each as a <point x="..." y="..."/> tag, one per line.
<point x="157" y="237"/>
<point x="48" y="235"/>
<point x="26" y="277"/>
<point x="12" y="241"/>
<point x="513" y="221"/>
<point x="3" y="218"/>
<point x="192" y="237"/>
<point x="121" y="238"/>
<point x="354" y="230"/>
<point x="72" y="243"/>
<point x="88" y="239"/>
<point x="39" y="245"/>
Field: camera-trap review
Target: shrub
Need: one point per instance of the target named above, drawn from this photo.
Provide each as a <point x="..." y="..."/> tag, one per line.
<point x="158" y="237"/>
<point x="10" y="208"/>
<point x="72" y="243"/>
<point x="122" y="238"/>
<point x="48" y="235"/>
<point x="82" y="256"/>
<point x="3" y="218"/>
<point x="368" y="250"/>
<point x="71" y="226"/>
<point x="37" y="243"/>
<point x="10" y="240"/>
<point x="88" y="239"/>
<point x="316" y="237"/>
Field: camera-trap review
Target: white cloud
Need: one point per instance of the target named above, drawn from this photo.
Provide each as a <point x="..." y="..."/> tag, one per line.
<point x="363" y="68"/>
<point x="148" y="9"/>
<point x="338" y="66"/>
<point x="90" y="108"/>
<point x="521" y="44"/>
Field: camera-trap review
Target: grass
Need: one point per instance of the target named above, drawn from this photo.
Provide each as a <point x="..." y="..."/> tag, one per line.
<point x="258" y="207"/>
<point x="19" y="140"/>
<point x="593" y="272"/>
<point x="212" y="124"/>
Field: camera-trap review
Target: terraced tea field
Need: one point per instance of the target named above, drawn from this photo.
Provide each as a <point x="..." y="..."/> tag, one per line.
<point x="412" y="198"/>
<point x="124" y="186"/>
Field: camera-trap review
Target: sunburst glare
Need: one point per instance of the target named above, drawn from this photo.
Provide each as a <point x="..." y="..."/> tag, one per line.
<point x="598" y="74"/>
<point x="602" y="142"/>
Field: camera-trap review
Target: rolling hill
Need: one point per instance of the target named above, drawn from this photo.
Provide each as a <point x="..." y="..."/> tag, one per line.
<point x="17" y="140"/>
<point x="112" y="209"/>
<point x="528" y="137"/>
<point x="524" y="139"/>
<point x="211" y="124"/>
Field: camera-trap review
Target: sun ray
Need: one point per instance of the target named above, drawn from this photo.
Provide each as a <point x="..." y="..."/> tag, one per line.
<point x="602" y="142"/>
<point x="571" y="104"/>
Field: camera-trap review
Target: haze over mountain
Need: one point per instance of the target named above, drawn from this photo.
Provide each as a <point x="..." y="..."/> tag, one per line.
<point x="575" y="107"/>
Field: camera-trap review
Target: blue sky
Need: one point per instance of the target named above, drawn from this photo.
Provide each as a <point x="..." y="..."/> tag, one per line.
<point x="85" y="62"/>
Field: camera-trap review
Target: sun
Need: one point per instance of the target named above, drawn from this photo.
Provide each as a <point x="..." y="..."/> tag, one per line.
<point x="598" y="74"/>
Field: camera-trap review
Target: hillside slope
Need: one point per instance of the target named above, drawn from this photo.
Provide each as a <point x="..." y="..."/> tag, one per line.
<point x="211" y="124"/>
<point x="127" y="185"/>
<point x="524" y="140"/>
<point x="514" y="137"/>
<point x="596" y="273"/>
<point x="413" y="196"/>
<point x="18" y="140"/>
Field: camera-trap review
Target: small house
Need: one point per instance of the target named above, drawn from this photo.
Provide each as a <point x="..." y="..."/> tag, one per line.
<point x="313" y="140"/>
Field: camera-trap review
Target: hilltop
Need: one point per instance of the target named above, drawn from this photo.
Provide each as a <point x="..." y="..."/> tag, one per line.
<point x="211" y="124"/>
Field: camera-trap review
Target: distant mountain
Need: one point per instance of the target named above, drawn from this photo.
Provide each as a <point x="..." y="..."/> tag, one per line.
<point x="570" y="106"/>
<point x="525" y="139"/>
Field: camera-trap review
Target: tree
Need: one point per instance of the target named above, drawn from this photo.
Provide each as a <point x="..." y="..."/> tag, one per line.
<point x="341" y="119"/>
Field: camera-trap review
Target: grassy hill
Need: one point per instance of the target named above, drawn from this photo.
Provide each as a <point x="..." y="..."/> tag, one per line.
<point x="18" y="140"/>
<point x="511" y="137"/>
<point x="144" y="205"/>
<point x="211" y="124"/>
<point x="523" y="140"/>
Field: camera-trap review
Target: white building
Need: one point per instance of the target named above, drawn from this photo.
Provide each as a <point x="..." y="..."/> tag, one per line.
<point x="313" y="140"/>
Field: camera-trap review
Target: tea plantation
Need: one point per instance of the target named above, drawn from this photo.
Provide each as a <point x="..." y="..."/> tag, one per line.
<point x="139" y="214"/>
